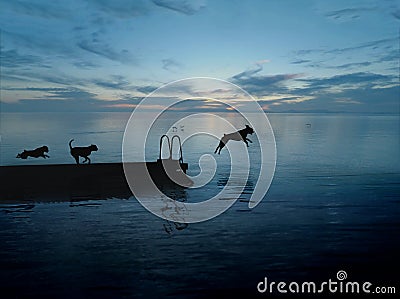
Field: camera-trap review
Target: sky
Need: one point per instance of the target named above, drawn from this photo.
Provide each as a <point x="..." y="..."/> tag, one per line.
<point x="291" y="56"/>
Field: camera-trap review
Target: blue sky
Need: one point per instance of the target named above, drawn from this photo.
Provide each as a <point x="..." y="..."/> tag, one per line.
<point x="99" y="55"/>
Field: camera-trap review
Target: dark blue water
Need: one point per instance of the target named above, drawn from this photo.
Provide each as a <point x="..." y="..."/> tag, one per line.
<point x="333" y="205"/>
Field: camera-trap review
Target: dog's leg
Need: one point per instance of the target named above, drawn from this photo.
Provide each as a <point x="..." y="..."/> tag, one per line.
<point x="214" y="151"/>
<point x="87" y="159"/>
<point x="221" y="146"/>
<point x="76" y="159"/>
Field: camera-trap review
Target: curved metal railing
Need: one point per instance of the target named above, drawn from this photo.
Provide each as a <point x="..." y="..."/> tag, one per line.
<point x="170" y="146"/>
<point x="180" y="147"/>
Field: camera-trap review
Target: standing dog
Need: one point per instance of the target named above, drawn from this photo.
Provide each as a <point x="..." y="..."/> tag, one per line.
<point x="82" y="151"/>
<point x="36" y="153"/>
<point x="237" y="136"/>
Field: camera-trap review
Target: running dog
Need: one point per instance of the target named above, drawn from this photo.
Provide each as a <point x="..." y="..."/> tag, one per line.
<point x="237" y="136"/>
<point x="36" y="153"/>
<point x="83" y="151"/>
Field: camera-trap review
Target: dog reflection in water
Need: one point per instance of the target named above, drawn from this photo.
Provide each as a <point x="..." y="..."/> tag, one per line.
<point x="240" y="135"/>
<point x="36" y="153"/>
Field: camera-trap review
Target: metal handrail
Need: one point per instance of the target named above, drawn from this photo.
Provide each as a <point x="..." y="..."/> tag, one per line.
<point x="169" y="146"/>
<point x="180" y="147"/>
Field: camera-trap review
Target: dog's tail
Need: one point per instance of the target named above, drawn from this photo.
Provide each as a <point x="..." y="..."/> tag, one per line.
<point x="70" y="142"/>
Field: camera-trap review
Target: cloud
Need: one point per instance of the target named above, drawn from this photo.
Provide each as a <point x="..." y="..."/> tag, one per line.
<point x="265" y="80"/>
<point x="304" y="52"/>
<point x="382" y="44"/>
<point x="75" y="94"/>
<point x="47" y="9"/>
<point x="341" y="66"/>
<point x="396" y="14"/>
<point x="348" y="13"/>
<point x="261" y="85"/>
<point x="45" y="76"/>
<point x="85" y="65"/>
<point x="353" y="92"/>
<point x="171" y="65"/>
<point x="366" y="100"/>
<point x="296" y="100"/>
<point x="75" y="100"/>
<point x="105" y="50"/>
<point x="300" y="61"/>
<point x="53" y="99"/>
<point x="390" y="56"/>
<point x="146" y="89"/>
<point x="115" y="82"/>
<point x="48" y="43"/>
<point x="186" y="7"/>
<point x="351" y="65"/>
<point x="44" y="89"/>
<point x="373" y="44"/>
<point x="381" y="53"/>
<point x="62" y="79"/>
<point x="321" y="64"/>
<point x="353" y="79"/>
<point x="252" y="82"/>
<point x="347" y="101"/>
<point x="201" y="105"/>
<point x="384" y="100"/>
<point x="122" y="8"/>
<point x="387" y="54"/>
<point x="67" y="100"/>
<point x="12" y="59"/>
<point x="251" y="71"/>
<point x="14" y="78"/>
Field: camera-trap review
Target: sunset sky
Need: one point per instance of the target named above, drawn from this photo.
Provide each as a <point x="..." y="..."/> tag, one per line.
<point x="99" y="55"/>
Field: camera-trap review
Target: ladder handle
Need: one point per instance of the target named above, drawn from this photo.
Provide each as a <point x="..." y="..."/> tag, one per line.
<point x="169" y="146"/>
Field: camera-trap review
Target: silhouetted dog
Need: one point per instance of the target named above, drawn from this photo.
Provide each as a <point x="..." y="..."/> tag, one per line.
<point x="83" y="151"/>
<point x="36" y="153"/>
<point x="237" y="136"/>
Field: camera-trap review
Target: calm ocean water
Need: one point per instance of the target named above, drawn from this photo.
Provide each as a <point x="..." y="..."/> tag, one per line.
<point x="333" y="205"/>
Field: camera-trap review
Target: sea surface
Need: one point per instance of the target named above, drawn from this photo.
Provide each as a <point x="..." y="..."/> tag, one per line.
<point x="334" y="204"/>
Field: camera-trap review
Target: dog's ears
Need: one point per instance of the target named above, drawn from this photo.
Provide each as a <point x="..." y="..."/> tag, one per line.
<point x="247" y="126"/>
